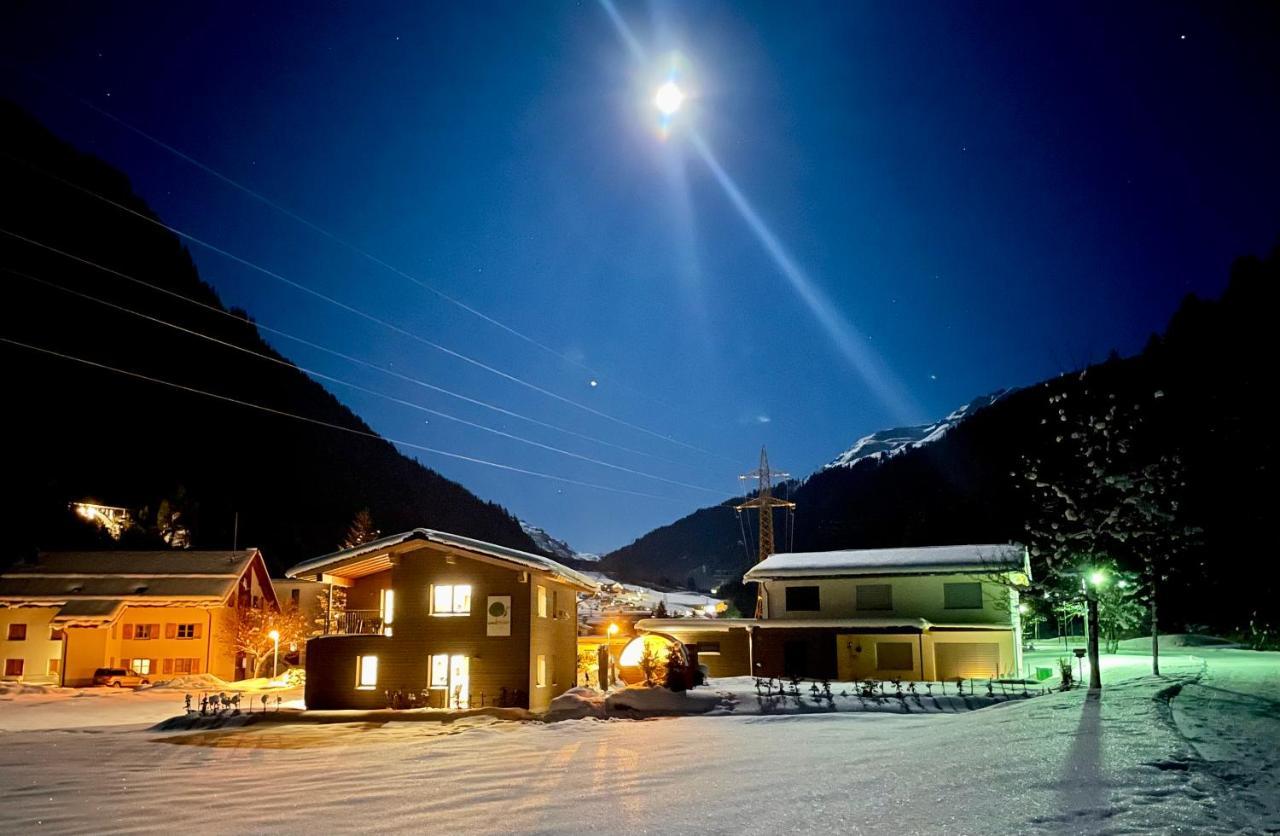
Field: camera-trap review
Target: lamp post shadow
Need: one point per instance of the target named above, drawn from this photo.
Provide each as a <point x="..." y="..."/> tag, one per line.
<point x="1085" y="790"/>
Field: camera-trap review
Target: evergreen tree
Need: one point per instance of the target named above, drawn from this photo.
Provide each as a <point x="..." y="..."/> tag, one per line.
<point x="661" y="610"/>
<point x="677" y="668"/>
<point x="361" y="530"/>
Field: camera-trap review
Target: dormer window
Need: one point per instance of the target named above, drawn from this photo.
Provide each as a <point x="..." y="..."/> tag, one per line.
<point x="451" y="599"/>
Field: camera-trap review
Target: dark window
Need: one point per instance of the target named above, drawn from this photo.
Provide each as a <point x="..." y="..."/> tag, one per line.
<point x="13" y="667"/>
<point x="295" y="597"/>
<point x="962" y="596"/>
<point x="802" y="599"/>
<point x="875" y="597"/>
<point x="894" y="656"/>
<point x="17" y="632"/>
<point x="795" y="657"/>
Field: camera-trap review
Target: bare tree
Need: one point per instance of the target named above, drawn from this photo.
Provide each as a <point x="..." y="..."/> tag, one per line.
<point x="252" y="628"/>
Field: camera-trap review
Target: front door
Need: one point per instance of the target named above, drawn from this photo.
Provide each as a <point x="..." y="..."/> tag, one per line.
<point x="459" y="682"/>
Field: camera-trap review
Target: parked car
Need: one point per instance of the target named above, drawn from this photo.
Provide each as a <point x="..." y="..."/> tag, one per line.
<point x="119" y="677"/>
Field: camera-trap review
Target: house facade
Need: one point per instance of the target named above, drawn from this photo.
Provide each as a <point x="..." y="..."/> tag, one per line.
<point x="933" y="613"/>
<point x="63" y="615"/>
<point x="930" y="613"/>
<point x="463" y="622"/>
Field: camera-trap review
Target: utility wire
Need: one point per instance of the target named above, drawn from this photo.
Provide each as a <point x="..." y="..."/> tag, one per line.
<point x="316" y="421"/>
<point x="358" y="312"/>
<point x="390" y="372"/>
<point x="337" y="239"/>
<point x="314" y="373"/>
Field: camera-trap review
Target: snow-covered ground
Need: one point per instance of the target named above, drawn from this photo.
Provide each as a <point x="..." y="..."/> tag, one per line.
<point x="1197" y="751"/>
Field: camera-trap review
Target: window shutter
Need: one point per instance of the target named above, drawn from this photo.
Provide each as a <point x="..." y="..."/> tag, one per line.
<point x="155" y="631"/>
<point x="126" y="664"/>
<point x="170" y="631"/>
<point x="128" y="631"/>
<point x="198" y="626"/>
<point x="168" y="666"/>
<point x="195" y="663"/>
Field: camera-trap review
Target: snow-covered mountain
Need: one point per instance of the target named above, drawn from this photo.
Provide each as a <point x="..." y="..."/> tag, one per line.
<point x="554" y="546"/>
<point x="884" y="444"/>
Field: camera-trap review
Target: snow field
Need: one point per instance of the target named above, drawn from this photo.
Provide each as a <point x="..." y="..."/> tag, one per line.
<point x="1192" y="752"/>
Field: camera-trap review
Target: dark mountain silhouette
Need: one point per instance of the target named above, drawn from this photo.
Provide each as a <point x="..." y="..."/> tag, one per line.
<point x="73" y="432"/>
<point x="1213" y="368"/>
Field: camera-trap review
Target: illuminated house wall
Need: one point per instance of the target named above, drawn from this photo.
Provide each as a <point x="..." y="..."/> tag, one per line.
<point x="470" y="624"/>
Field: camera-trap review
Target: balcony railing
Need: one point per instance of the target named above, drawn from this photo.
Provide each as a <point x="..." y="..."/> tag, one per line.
<point x="356" y="622"/>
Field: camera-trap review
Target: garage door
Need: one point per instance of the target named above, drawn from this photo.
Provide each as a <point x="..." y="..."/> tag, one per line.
<point x="971" y="660"/>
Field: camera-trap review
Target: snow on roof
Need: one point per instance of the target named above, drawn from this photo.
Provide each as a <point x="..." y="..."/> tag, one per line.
<point x="510" y="555"/>
<point x="115" y="576"/>
<point x="1004" y="557"/>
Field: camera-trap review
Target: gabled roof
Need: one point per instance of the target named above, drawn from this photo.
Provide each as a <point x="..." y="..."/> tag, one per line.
<point x="366" y="556"/>
<point x="991" y="558"/>
<point x="93" y="586"/>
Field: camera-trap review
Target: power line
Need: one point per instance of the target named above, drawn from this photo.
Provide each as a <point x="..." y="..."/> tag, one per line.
<point x="337" y="239"/>
<point x="360" y="313"/>
<point x="316" y="421"/>
<point x="390" y="372"/>
<point x="355" y="386"/>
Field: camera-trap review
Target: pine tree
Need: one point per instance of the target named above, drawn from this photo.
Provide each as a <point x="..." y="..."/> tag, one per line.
<point x="360" y="531"/>
<point x="677" y="669"/>
<point x="661" y="610"/>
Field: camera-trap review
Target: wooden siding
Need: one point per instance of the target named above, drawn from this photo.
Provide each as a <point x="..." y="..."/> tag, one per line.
<point x="496" y="662"/>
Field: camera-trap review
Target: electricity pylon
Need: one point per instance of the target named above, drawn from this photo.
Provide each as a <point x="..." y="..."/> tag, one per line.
<point x="765" y="502"/>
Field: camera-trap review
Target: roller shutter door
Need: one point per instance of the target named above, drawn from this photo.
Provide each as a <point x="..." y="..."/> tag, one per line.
<point x="971" y="660"/>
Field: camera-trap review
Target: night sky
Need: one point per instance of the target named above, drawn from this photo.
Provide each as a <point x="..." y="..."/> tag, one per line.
<point x="969" y="197"/>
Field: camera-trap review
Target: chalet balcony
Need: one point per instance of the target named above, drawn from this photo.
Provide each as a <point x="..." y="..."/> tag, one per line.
<point x="357" y="622"/>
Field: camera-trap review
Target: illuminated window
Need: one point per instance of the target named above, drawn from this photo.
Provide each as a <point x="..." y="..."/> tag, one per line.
<point x="387" y="607"/>
<point x="451" y="599"/>
<point x="55" y="666"/>
<point x="17" y="632"/>
<point x="186" y="631"/>
<point x="440" y="671"/>
<point x="142" y="666"/>
<point x="13" y="667"/>
<point x="366" y="672"/>
<point x="542" y="602"/>
<point x="874" y="597"/>
<point x="541" y="680"/>
<point x="962" y="596"/>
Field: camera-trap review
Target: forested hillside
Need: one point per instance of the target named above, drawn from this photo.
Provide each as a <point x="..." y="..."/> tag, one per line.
<point x="1205" y="385"/>
<point x="75" y="431"/>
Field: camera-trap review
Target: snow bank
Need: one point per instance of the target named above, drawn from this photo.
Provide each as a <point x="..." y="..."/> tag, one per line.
<point x="17" y="689"/>
<point x="656" y="701"/>
<point x="575" y="704"/>
<point x="1142" y="644"/>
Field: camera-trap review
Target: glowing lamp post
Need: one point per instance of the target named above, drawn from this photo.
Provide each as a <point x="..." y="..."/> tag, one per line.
<point x="275" y="651"/>
<point x="613" y="632"/>
<point x="1096" y="579"/>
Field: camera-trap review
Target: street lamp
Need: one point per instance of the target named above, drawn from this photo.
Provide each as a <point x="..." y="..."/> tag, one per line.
<point x="613" y="631"/>
<point x="275" y="651"/>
